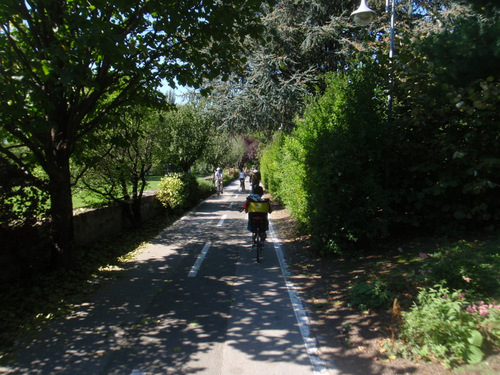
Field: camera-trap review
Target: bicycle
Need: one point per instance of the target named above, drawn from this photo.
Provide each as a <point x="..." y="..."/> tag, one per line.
<point x="218" y="187"/>
<point x="258" y="236"/>
<point x="257" y="209"/>
<point x="242" y="184"/>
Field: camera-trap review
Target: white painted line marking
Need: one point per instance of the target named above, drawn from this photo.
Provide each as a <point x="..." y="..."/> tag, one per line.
<point x="221" y="221"/>
<point x="319" y="366"/>
<point x="199" y="261"/>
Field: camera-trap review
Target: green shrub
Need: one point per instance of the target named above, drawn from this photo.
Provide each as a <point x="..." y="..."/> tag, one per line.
<point x="205" y="188"/>
<point x="230" y="175"/>
<point x="438" y="328"/>
<point x="370" y="295"/>
<point x="465" y="265"/>
<point x="345" y="148"/>
<point x="178" y="191"/>
<point x="271" y="167"/>
<point x="330" y="171"/>
<point x="293" y="177"/>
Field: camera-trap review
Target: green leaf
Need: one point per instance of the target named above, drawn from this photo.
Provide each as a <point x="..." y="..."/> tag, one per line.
<point x="46" y="68"/>
<point x="475" y="355"/>
<point x="476" y="339"/>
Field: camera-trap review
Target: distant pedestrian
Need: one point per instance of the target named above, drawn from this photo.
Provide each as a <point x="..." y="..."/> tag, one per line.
<point x="254" y="179"/>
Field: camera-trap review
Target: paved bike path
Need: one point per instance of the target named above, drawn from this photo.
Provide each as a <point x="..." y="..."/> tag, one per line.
<point x="228" y="315"/>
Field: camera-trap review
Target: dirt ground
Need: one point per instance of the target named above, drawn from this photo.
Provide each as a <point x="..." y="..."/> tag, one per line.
<point x="350" y="341"/>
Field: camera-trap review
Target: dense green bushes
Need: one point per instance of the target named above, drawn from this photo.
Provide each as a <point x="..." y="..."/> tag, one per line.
<point x="350" y="173"/>
<point x="350" y="176"/>
<point x="178" y="191"/>
<point x="284" y="174"/>
<point x="330" y="171"/>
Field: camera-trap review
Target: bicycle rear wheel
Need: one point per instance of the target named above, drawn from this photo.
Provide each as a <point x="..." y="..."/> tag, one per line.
<point x="259" y="246"/>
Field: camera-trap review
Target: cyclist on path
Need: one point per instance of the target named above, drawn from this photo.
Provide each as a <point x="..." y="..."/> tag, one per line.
<point x="218" y="178"/>
<point x="256" y="206"/>
<point x="242" y="179"/>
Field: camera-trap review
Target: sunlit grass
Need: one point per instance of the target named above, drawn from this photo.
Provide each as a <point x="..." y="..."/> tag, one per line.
<point x="83" y="199"/>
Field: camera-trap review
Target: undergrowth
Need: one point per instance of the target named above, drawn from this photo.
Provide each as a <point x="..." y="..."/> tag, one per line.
<point x="449" y="292"/>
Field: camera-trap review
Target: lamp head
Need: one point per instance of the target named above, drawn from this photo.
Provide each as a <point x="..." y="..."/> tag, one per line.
<point x="363" y="15"/>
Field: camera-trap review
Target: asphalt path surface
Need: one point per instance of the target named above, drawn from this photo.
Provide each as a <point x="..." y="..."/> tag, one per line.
<point x="194" y="302"/>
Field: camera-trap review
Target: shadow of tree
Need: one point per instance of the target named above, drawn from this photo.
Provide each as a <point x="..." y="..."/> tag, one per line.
<point x="155" y="318"/>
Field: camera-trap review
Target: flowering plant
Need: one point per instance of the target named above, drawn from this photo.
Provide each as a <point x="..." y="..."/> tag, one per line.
<point x="482" y="308"/>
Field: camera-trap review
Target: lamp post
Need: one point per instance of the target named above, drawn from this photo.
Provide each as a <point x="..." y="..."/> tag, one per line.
<point x="362" y="17"/>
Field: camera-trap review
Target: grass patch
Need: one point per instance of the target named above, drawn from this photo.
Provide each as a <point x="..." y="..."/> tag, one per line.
<point x="153" y="182"/>
<point x="84" y="199"/>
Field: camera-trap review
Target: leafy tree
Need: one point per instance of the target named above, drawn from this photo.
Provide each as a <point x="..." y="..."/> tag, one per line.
<point x="117" y="163"/>
<point x="303" y="40"/>
<point x="217" y="148"/>
<point x="282" y="67"/>
<point x="185" y="135"/>
<point x="234" y="156"/>
<point x="65" y="66"/>
<point x="251" y="150"/>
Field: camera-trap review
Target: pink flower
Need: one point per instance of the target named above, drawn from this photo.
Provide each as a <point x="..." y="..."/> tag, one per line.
<point x="481" y="308"/>
<point x="423" y="255"/>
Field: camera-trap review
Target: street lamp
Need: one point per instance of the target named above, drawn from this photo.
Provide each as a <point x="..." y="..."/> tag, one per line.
<point x="362" y="17"/>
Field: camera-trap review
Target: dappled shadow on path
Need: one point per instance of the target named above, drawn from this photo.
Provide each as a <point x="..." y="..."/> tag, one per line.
<point x="156" y="319"/>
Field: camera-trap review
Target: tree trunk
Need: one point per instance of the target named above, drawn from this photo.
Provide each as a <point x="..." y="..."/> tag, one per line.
<point x="132" y="211"/>
<point x="61" y="212"/>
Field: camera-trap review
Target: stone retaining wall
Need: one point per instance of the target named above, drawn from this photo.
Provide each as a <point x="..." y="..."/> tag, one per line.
<point x="94" y="224"/>
<point x="31" y="252"/>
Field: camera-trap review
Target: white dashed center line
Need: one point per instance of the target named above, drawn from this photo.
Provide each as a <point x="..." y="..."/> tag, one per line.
<point x="199" y="261"/>
<point x="221" y="221"/>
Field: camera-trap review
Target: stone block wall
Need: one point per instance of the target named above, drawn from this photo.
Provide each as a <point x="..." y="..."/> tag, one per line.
<point x="92" y="225"/>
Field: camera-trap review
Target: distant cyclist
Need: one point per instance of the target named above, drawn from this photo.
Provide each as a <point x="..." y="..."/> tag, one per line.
<point x="218" y="180"/>
<point x="242" y="179"/>
<point x="258" y="207"/>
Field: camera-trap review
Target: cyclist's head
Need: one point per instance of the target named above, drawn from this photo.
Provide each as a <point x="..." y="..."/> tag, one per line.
<point x="218" y="169"/>
<point x="258" y="190"/>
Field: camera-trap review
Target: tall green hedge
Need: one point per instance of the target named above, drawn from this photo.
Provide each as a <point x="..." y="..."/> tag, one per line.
<point x="330" y="170"/>
<point x="351" y="174"/>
